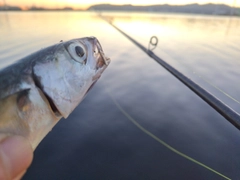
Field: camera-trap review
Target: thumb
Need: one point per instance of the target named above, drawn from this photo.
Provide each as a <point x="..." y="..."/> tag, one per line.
<point x="16" y="155"/>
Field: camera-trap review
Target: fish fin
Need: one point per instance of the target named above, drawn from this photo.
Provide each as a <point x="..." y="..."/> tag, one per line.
<point x="13" y="108"/>
<point x="23" y="102"/>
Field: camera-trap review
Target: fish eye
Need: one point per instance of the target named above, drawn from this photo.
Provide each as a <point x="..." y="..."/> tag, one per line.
<point x="78" y="52"/>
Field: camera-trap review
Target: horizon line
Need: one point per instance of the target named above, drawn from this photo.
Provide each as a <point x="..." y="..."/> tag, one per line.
<point x="115" y="4"/>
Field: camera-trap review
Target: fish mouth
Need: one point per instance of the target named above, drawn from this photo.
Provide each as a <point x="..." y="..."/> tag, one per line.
<point x="102" y="62"/>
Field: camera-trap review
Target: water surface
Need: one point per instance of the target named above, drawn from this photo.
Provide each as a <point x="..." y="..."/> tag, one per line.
<point x="97" y="141"/>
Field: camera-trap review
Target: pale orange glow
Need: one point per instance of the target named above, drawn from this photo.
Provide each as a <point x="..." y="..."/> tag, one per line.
<point x="85" y="4"/>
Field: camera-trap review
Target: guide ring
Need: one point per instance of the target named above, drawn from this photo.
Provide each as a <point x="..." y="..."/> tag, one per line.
<point x="154" y="42"/>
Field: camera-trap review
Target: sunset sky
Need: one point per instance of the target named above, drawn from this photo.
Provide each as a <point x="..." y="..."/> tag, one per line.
<point x="85" y="4"/>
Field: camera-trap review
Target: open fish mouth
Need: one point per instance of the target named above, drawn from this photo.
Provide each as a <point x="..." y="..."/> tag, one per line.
<point x="102" y="62"/>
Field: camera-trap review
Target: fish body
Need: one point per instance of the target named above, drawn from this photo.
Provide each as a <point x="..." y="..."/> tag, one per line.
<point x="40" y="89"/>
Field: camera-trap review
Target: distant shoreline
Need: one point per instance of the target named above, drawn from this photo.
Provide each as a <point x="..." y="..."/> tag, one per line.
<point x="205" y="9"/>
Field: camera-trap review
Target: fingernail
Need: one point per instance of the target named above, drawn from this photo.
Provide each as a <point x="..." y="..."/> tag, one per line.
<point x="17" y="154"/>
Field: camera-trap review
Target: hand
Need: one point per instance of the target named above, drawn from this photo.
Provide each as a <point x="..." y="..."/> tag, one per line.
<point x="16" y="155"/>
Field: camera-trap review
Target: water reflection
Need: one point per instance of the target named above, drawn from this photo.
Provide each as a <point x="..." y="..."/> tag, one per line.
<point x="197" y="26"/>
<point x="4" y="19"/>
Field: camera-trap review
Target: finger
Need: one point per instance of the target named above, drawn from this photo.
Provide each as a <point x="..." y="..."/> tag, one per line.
<point x="16" y="155"/>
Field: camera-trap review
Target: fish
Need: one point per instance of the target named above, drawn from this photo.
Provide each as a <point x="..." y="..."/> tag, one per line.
<point x="40" y="89"/>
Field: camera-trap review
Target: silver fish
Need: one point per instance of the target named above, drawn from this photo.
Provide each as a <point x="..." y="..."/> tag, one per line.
<point x="40" y="89"/>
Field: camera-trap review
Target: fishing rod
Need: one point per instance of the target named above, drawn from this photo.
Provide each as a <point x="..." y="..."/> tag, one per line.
<point x="227" y="112"/>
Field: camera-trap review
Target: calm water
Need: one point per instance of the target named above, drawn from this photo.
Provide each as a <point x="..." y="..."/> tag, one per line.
<point x="97" y="141"/>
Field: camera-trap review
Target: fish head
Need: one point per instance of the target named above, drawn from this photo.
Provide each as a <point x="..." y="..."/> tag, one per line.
<point x="69" y="71"/>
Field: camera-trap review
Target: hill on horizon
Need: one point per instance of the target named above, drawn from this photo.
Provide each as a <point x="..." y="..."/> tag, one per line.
<point x="218" y="9"/>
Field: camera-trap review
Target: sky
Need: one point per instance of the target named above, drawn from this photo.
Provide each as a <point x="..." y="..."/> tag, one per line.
<point x="83" y="4"/>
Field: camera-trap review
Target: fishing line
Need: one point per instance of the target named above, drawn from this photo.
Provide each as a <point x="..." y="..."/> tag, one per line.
<point x="130" y="118"/>
<point x="226" y="94"/>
